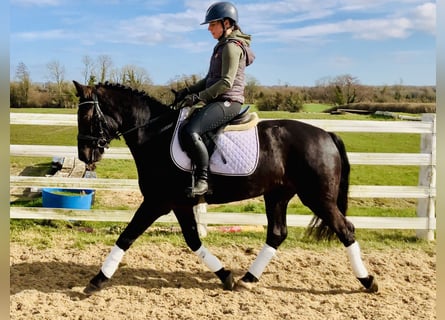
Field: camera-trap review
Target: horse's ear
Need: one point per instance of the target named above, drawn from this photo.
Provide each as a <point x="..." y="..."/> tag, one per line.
<point x="79" y="88"/>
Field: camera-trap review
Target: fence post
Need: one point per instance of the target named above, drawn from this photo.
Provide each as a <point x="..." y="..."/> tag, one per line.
<point x="199" y="210"/>
<point x="427" y="178"/>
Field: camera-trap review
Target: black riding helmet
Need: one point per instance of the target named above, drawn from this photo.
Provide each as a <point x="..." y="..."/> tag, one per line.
<point x="220" y="11"/>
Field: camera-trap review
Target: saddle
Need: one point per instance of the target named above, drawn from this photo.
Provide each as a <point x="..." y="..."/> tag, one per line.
<point x="233" y="148"/>
<point x="243" y="121"/>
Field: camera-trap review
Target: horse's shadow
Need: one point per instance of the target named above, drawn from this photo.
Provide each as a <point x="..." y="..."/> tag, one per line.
<point x="319" y="292"/>
<point x="55" y="276"/>
<point x="66" y="277"/>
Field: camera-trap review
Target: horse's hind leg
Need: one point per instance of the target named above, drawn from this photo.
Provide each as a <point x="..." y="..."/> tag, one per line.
<point x="276" y="207"/>
<point x="354" y="254"/>
<point x="333" y="219"/>
<point x="143" y="218"/>
<point x="187" y="221"/>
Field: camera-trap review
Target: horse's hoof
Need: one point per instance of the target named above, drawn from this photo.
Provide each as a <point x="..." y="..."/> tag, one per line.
<point x="373" y="287"/>
<point x="370" y="284"/>
<point x="91" y="289"/>
<point x="95" y="284"/>
<point x="229" y="283"/>
<point x="243" y="286"/>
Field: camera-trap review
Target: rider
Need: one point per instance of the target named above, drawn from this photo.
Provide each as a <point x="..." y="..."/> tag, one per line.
<point x="221" y="90"/>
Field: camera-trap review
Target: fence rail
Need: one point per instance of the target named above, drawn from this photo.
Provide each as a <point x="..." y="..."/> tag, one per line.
<point x="355" y="191"/>
<point x="223" y="218"/>
<point x="425" y="192"/>
<point x="407" y="159"/>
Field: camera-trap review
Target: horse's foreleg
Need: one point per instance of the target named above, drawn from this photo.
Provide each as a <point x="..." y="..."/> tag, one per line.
<point x="276" y="234"/>
<point x="138" y="224"/>
<point x="189" y="229"/>
<point x="257" y="267"/>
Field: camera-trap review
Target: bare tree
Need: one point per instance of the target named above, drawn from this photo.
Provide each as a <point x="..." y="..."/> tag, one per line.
<point x="57" y="75"/>
<point x="179" y="82"/>
<point x="115" y="75"/>
<point x="251" y="89"/>
<point x="104" y="63"/>
<point x="24" y="84"/>
<point x="341" y="90"/>
<point x="135" y="76"/>
<point x="321" y="91"/>
<point x="345" y="89"/>
<point x="88" y="69"/>
<point x="56" y="72"/>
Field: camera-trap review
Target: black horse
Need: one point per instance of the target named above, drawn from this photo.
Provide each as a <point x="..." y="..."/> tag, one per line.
<point x="294" y="159"/>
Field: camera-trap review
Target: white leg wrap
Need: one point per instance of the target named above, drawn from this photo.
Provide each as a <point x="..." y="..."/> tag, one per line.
<point x="112" y="261"/>
<point x="208" y="259"/>
<point x="262" y="260"/>
<point x="355" y="259"/>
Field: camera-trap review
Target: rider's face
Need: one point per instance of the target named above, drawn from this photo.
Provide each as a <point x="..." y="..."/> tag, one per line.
<point x="216" y="29"/>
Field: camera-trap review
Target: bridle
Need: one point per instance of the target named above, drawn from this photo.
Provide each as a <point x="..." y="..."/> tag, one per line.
<point x="101" y="123"/>
<point x="102" y="140"/>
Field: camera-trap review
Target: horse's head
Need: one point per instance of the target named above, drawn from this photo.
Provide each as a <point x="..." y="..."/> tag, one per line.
<point x="108" y="111"/>
<point x="95" y="128"/>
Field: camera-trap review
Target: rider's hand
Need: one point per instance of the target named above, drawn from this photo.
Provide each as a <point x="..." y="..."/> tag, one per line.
<point x="191" y="100"/>
<point x="180" y="95"/>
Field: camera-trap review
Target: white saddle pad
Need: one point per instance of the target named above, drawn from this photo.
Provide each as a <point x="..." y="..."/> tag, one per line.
<point x="236" y="152"/>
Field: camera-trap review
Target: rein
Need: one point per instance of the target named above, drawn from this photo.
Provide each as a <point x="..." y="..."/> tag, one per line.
<point x="103" y="141"/>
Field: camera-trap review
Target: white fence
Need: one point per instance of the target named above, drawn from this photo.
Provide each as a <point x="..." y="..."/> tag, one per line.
<point x="424" y="192"/>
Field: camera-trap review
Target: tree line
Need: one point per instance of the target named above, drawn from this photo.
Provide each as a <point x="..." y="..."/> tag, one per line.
<point x="335" y="91"/>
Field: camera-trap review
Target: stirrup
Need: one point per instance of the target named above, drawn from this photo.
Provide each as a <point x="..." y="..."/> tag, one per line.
<point x="200" y="188"/>
<point x="193" y="191"/>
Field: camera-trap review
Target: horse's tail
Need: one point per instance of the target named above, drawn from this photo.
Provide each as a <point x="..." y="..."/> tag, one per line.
<point x="342" y="199"/>
<point x="322" y="230"/>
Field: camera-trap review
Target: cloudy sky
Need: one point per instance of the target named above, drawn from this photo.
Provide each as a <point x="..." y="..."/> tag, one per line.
<point x="297" y="42"/>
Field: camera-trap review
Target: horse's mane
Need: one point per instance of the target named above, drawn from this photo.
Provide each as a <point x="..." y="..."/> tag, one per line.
<point x="141" y="93"/>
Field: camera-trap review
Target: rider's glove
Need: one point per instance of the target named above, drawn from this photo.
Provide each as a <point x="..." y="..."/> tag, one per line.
<point x="191" y="100"/>
<point x="180" y="95"/>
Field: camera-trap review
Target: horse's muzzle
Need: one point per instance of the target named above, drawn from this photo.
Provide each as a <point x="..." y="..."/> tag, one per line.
<point x="90" y="156"/>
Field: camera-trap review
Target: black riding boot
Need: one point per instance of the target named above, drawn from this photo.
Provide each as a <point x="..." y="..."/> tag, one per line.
<point x="200" y="158"/>
<point x="201" y="186"/>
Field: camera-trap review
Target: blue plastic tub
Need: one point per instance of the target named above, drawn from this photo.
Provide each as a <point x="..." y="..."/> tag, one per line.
<point x="67" y="198"/>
